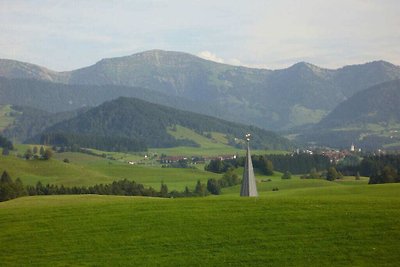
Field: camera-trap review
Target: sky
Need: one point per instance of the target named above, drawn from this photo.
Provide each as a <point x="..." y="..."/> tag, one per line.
<point x="65" y="35"/>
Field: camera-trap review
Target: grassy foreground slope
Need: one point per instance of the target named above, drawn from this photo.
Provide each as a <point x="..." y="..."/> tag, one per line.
<point x="332" y="226"/>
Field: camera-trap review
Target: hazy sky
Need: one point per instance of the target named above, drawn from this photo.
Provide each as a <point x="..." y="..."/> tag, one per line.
<point x="64" y="35"/>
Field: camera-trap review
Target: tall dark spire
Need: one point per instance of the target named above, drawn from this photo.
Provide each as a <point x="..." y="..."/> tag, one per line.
<point x="249" y="187"/>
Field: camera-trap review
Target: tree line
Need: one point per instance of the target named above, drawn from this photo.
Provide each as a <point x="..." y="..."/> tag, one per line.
<point x="295" y="163"/>
<point x="262" y="163"/>
<point x="10" y="189"/>
<point x="381" y="169"/>
<point x="299" y="163"/>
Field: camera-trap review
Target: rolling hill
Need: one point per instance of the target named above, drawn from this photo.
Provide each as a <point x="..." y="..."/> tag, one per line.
<point x="370" y="119"/>
<point x="133" y="124"/>
<point x="271" y="99"/>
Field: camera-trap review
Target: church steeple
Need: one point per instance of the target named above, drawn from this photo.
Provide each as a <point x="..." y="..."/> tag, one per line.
<point x="249" y="187"/>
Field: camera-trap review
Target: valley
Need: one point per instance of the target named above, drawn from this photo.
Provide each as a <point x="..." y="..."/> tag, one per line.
<point x="199" y="133"/>
<point x="160" y="119"/>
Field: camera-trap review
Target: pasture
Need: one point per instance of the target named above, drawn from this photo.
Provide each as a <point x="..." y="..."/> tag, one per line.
<point x="333" y="225"/>
<point x="307" y="222"/>
<point x="86" y="170"/>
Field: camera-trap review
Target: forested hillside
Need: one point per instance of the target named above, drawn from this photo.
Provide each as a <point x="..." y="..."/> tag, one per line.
<point x="370" y="119"/>
<point x="29" y="122"/>
<point x="115" y="124"/>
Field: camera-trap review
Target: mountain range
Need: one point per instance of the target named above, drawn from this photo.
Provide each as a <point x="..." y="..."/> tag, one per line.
<point x="303" y="98"/>
<point x="271" y="99"/>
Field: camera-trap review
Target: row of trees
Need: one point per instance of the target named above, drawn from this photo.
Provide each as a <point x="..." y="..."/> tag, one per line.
<point x="299" y="163"/>
<point x="35" y="153"/>
<point x="381" y="169"/>
<point x="330" y="174"/>
<point x="10" y="189"/>
<point x="230" y="178"/>
<point x="296" y="163"/>
<point x="263" y="164"/>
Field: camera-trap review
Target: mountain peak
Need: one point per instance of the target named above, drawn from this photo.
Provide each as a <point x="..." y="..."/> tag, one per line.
<point x="305" y="67"/>
<point x="155" y="56"/>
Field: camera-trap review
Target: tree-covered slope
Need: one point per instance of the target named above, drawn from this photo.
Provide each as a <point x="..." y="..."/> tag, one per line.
<point x="29" y="122"/>
<point x="123" y="121"/>
<point x="370" y="119"/>
<point x="378" y="104"/>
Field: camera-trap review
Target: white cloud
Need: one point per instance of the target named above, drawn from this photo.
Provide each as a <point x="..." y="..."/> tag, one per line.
<point x="210" y="56"/>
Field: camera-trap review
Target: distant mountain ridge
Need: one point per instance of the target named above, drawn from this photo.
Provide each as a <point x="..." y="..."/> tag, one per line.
<point x="57" y="97"/>
<point x="369" y="119"/>
<point x="272" y="99"/>
<point x="379" y="103"/>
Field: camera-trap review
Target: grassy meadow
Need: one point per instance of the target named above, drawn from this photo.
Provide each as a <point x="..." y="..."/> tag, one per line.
<point x="307" y="222"/>
<point x="86" y="170"/>
<point x="333" y="225"/>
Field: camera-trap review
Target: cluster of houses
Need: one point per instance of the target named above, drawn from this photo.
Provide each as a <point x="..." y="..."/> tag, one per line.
<point x="191" y="160"/>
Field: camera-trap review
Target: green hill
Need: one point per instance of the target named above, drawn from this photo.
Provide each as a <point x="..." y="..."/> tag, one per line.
<point x="133" y="124"/>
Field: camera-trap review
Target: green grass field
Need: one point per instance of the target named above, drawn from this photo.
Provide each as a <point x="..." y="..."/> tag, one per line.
<point x="335" y="225"/>
<point x="85" y="170"/>
<point x="307" y="222"/>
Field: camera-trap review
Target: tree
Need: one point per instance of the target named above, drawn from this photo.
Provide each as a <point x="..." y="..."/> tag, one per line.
<point x="10" y="189"/>
<point x="216" y="166"/>
<point x="200" y="189"/>
<point x="5" y="143"/>
<point x="28" y="154"/>
<point x="229" y="179"/>
<point x="213" y="186"/>
<point x="5" y="151"/>
<point x="163" y="190"/>
<point x="41" y="151"/>
<point x="332" y="174"/>
<point x="48" y="153"/>
<point x="187" y="192"/>
<point x="358" y="176"/>
<point x="266" y="166"/>
<point x="5" y="178"/>
<point x="287" y="175"/>
<point x="19" y="187"/>
<point x="35" y="150"/>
